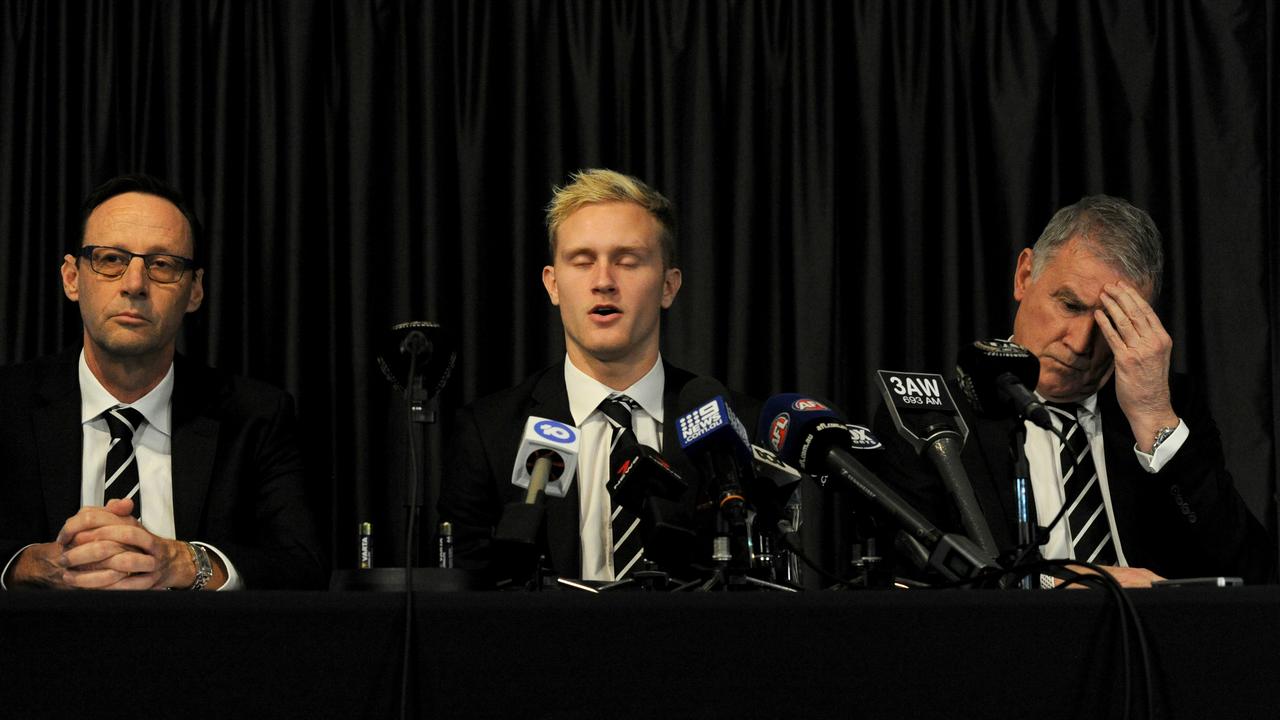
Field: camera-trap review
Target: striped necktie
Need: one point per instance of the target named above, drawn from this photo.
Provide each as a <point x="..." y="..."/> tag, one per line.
<point x="122" y="462"/>
<point x="628" y="546"/>
<point x="1086" y="513"/>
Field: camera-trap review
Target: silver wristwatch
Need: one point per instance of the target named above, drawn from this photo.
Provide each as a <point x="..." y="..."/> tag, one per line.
<point x="1161" y="435"/>
<point x="204" y="569"/>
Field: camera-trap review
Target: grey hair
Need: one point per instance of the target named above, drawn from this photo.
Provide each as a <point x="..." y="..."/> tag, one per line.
<point x="1120" y="234"/>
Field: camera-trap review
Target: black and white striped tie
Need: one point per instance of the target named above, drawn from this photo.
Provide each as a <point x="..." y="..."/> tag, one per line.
<point x="1086" y="513"/>
<point x="628" y="546"/>
<point x="122" y="463"/>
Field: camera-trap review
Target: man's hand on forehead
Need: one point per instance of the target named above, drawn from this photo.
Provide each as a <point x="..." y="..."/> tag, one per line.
<point x="1141" y="350"/>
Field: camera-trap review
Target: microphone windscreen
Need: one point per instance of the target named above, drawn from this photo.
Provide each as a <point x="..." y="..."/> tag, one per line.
<point x="979" y="363"/>
<point x="787" y="422"/>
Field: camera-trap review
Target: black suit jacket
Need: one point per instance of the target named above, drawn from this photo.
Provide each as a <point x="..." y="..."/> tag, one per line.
<point x="237" y="471"/>
<point x="486" y="435"/>
<point x="1185" y="521"/>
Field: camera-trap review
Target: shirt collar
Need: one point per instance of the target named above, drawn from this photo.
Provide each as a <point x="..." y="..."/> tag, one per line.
<point x="95" y="400"/>
<point x="1089" y="405"/>
<point x="586" y="393"/>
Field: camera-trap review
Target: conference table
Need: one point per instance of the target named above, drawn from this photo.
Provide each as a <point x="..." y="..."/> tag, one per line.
<point x="1214" y="653"/>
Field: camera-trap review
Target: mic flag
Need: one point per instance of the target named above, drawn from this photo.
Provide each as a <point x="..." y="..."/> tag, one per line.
<point x="712" y="436"/>
<point x="927" y="418"/>
<point x="542" y="435"/>
<point x="768" y="466"/>
<point x="713" y="424"/>
<point x="921" y="406"/>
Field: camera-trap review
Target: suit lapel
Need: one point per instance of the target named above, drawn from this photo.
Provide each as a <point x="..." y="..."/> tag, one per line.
<point x="60" y="443"/>
<point x="990" y="471"/>
<point x="195" y="441"/>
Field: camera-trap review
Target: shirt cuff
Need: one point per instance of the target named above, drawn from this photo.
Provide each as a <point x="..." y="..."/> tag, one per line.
<point x="5" y="572"/>
<point x="233" y="578"/>
<point x="1166" y="451"/>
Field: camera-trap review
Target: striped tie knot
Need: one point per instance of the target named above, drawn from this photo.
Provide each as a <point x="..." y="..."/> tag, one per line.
<point x="617" y="410"/>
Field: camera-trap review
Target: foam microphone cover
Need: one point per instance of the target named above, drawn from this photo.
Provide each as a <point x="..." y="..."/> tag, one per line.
<point x="980" y="363"/>
<point x="791" y="423"/>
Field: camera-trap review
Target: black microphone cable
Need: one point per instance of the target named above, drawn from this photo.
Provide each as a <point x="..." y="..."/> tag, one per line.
<point x="1129" y="621"/>
<point x="413" y="350"/>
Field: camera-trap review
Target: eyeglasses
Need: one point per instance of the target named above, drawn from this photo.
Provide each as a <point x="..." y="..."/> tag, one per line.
<point x="113" y="262"/>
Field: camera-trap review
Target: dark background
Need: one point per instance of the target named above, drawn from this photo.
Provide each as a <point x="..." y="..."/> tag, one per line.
<point x="853" y="180"/>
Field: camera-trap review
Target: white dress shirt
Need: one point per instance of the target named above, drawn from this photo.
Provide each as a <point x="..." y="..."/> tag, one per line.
<point x="585" y="396"/>
<point x="1043" y="450"/>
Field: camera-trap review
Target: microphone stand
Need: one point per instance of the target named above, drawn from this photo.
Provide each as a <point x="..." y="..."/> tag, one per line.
<point x="522" y="525"/>
<point x="1027" y="540"/>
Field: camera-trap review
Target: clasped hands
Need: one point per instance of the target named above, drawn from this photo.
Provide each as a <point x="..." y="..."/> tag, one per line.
<point x="105" y="548"/>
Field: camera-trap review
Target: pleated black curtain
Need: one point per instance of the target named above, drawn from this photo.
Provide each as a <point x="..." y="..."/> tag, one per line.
<point x="853" y="182"/>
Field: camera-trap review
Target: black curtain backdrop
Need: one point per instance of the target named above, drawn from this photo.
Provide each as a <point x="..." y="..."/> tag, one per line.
<point x="853" y="180"/>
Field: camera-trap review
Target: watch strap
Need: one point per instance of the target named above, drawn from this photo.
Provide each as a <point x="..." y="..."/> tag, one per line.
<point x="204" y="568"/>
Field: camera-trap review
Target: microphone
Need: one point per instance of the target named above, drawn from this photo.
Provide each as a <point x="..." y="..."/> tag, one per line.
<point x="553" y="442"/>
<point x="713" y="437"/>
<point x="806" y="433"/>
<point x="996" y="375"/>
<point x="545" y="464"/>
<point x="927" y="418"/>
<point x="641" y="475"/>
<point x="422" y="344"/>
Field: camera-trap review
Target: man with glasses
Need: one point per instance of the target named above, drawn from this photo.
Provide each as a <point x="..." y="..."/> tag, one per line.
<point x="125" y="466"/>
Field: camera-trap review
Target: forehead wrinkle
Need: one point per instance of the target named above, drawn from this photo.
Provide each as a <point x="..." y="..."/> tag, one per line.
<point x="115" y="223"/>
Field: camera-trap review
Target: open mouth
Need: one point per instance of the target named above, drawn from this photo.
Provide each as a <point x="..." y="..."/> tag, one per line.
<point x="605" y="310"/>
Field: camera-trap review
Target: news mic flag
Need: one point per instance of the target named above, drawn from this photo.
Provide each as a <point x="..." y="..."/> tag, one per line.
<point x="927" y="418"/>
<point x="543" y="434"/>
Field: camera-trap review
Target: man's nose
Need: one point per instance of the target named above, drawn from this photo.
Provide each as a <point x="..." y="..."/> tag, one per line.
<point x="1082" y="334"/>
<point x="602" y="277"/>
<point x="135" y="278"/>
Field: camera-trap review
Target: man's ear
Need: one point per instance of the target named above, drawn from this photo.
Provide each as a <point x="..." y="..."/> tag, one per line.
<point x="197" y="291"/>
<point x="70" y="272"/>
<point x="1022" y="274"/>
<point x="549" y="282"/>
<point x="671" y="286"/>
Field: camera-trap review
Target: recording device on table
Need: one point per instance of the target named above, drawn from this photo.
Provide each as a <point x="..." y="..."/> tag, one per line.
<point x="806" y="433"/>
